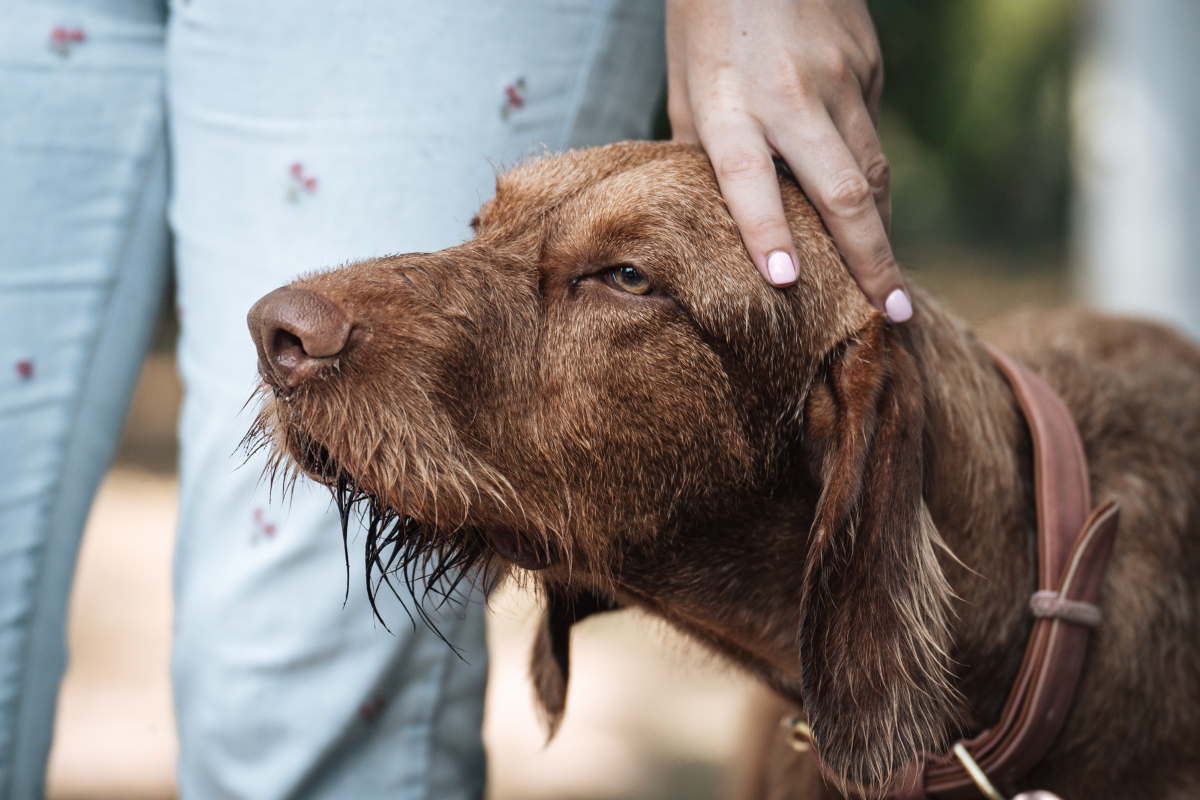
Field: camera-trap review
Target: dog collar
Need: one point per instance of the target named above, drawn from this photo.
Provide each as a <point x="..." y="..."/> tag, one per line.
<point x="1073" y="550"/>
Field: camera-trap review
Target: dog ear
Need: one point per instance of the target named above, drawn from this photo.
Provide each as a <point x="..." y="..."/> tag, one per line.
<point x="550" y="666"/>
<point x="873" y="632"/>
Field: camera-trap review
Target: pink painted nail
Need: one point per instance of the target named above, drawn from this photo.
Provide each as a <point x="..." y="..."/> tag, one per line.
<point x="780" y="268"/>
<point x="898" y="307"/>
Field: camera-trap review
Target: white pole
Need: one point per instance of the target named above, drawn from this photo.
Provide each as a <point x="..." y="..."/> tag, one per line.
<point x="1136" y="117"/>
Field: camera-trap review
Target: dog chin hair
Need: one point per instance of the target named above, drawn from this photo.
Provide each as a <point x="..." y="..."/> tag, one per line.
<point x="402" y="556"/>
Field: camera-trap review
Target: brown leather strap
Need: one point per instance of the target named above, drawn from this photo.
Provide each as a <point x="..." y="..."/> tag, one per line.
<point x="1060" y="474"/>
<point x="1073" y="551"/>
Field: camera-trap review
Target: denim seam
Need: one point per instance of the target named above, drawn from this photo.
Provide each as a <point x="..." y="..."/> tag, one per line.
<point x="40" y="573"/>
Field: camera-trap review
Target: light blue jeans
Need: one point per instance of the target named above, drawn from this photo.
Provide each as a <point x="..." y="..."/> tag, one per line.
<point x="278" y="136"/>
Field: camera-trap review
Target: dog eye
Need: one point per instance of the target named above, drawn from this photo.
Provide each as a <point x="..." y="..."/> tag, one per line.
<point x="629" y="280"/>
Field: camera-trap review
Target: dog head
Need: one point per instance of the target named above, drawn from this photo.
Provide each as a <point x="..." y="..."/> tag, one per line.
<point x="598" y="374"/>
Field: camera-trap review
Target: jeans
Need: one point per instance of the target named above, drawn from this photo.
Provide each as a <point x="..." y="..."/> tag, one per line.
<point x="277" y="137"/>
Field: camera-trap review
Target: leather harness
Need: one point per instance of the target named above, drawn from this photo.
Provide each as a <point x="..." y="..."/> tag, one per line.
<point x="1073" y="551"/>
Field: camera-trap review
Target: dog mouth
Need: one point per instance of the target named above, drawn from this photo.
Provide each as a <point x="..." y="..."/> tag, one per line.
<point x="519" y="551"/>
<point x="314" y="459"/>
<point x="402" y="554"/>
<point x="403" y="550"/>
<point x="405" y="554"/>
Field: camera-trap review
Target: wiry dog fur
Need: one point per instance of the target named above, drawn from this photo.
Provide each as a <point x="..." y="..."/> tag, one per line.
<point x="840" y="506"/>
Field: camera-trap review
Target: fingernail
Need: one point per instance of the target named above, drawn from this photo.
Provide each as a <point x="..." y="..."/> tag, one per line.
<point x="780" y="268"/>
<point x="898" y="307"/>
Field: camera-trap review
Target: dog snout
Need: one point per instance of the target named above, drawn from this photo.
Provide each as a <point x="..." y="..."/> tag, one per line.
<point x="297" y="332"/>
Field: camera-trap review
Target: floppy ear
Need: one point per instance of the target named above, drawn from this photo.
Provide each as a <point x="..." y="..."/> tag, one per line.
<point x="873" y="631"/>
<point x="550" y="666"/>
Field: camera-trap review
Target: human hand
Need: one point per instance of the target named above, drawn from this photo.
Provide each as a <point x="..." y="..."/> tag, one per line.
<point x="800" y="79"/>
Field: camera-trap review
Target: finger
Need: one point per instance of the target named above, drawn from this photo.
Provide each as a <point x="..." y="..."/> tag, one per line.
<point x="873" y="93"/>
<point x="870" y="78"/>
<point x="746" y="174"/>
<point x="858" y="131"/>
<point x="833" y="181"/>
<point x="871" y="89"/>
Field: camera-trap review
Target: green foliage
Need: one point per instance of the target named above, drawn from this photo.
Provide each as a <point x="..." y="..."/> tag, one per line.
<point x="974" y="117"/>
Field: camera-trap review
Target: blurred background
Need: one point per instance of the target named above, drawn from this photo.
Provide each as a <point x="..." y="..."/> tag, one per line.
<point x="978" y="124"/>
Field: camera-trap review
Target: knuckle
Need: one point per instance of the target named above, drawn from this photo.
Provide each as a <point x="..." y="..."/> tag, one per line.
<point x="744" y="162"/>
<point x="795" y="88"/>
<point x="767" y="229"/>
<point x="848" y="194"/>
<point x="836" y="64"/>
<point x="879" y="174"/>
<point x="879" y="271"/>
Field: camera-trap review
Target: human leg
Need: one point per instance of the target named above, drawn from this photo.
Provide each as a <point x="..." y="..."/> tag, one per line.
<point x="83" y="246"/>
<point x="305" y="136"/>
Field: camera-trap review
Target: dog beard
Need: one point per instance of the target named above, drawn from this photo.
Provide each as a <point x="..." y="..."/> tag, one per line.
<point x="401" y="554"/>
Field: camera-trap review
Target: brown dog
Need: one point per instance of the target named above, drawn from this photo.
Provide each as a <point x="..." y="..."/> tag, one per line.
<point x="600" y="387"/>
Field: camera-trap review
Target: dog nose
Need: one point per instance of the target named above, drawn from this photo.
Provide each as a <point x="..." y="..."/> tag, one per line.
<point x="296" y="332"/>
